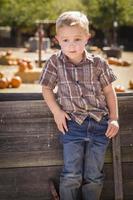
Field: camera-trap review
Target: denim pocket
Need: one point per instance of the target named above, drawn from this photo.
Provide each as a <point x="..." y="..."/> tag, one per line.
<point x="99" y="128"/>
<point x="104" y="120"/>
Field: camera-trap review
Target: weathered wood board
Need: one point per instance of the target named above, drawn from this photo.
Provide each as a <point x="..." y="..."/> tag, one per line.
<point x="30" y="152"/>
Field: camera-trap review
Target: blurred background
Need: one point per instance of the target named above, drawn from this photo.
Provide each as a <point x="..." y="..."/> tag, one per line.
<point x="110" y="20"/>
<point x="27" y="30"/>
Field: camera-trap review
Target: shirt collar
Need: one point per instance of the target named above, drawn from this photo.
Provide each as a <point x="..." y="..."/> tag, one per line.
<point x="87" y="57"/>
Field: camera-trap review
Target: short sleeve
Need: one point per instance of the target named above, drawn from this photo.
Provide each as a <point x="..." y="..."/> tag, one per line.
<point x="106" y="76"/>
<point x="49" y="74"/>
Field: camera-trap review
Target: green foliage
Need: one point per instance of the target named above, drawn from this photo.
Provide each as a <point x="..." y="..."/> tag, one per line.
<point x="107" y="14"/>
<point x="102" y="13"/>
<point x="59" y="6"/>
<point x="22" y="13"/>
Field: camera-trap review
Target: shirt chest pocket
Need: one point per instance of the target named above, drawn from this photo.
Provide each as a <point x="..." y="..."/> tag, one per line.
<point x="69" y="89"/>
<point x="91" y="89"/>
<point x="68" y="84"/>
<point x="77" y="82"/>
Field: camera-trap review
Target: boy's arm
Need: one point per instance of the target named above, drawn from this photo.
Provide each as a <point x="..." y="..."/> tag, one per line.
<point x="59" y="115"/>
<point x="111" y="100"/>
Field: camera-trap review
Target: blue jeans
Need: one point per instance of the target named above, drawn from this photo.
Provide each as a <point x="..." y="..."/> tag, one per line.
<point x="84" y="148"/>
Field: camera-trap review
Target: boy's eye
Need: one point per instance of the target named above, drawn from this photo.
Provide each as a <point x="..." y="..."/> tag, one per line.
<point x="77" y="39"/>
<point x="65" y="40"/>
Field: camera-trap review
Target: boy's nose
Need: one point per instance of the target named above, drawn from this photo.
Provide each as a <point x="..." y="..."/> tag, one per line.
<point x="72" y="43"/>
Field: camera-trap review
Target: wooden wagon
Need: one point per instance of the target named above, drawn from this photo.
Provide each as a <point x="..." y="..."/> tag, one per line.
<point x="30" y="153"/>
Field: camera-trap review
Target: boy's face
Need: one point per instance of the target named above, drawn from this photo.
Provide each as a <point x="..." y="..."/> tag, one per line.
<point x="72" y="40"/>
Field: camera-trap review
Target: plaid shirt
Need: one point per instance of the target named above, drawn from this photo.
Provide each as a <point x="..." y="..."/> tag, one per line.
<point x="80" y="87"/>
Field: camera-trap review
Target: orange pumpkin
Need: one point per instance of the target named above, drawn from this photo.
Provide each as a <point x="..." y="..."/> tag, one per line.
<point x="3" y="83"/>
<point x="119" y="88"/>
<point x="16" y="81"/>
<point x="112" y="61"/>
<point x="126" y="63"/>
<point x="1" y="75"/>
<point x="29" y="65"/>
<point x="22" y="66"/>
<point x="9" y="52"/>
<point x="19" y="61"/>
<point x="131" y="84"/>
<point x="119" y="62"/>
<point x="115" y="61"/>
<point x="10" y="62"/>
<point x="26" y="60"/>
<point x="2" y="53"/>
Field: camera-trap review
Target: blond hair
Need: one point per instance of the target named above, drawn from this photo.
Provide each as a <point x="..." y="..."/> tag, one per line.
<point x="72" y="18"/>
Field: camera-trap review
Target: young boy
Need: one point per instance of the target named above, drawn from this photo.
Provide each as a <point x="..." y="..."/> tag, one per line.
<point x="86" y="112"/>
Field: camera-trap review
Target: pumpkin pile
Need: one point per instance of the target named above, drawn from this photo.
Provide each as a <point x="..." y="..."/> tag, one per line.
<point x="24" y="65"/>
<point x="14" y="82"/>
<point x="7" y="58"/>
<point x="118" y="62"/>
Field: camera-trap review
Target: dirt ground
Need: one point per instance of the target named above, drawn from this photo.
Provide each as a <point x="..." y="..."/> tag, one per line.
<point x="9" y="71"/>
<point x="124" y="74"/>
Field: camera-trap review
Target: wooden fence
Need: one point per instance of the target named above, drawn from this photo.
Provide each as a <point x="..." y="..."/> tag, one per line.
<point x="30" y="152"/>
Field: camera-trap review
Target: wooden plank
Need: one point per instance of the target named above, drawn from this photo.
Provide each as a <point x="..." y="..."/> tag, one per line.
<point x="27" y="183"/>
<point x="127" y="171"/>
<point x="33" y="183"/>
<point x="28" y="159"/>
<point x="20" y="96"/>
<point x="49" y="157"/>
<point x="27" y="128"/>
<point x="38" y="96"/>
<point x="44" y="141"/>
<point x="126" y="138"/>
<point x="25" y="109"/>
<point x="34" y="117"/>
<point x="118" y="181"/>
<point x="41" y="124"/>
<point x="36" y="112"/>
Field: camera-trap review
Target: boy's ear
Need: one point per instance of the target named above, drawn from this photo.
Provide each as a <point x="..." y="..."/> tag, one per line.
<point x="56" y="37"/>
<point x="89" y="36"/>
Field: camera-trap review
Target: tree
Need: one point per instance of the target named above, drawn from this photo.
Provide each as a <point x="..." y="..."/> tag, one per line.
<point x="22" y="15"/>
<point x="59" y="6"/>
<point x="108" y="14"/>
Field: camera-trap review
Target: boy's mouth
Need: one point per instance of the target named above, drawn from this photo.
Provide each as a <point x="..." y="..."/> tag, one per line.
<point x="72" y="51"/>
